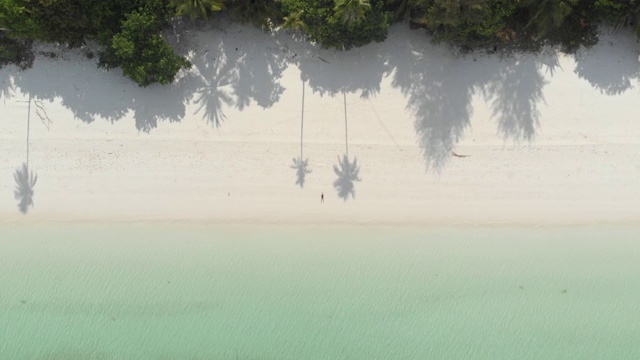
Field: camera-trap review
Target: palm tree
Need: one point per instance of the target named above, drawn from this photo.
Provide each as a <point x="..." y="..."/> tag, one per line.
<point x="301" y="164"/>
<point x="197" y="8"/>
<point x="347" y="172"/>
<point x="294" y="21"/>
<point x="351" y="12"/>
<point x="447" y="15"/>
<point x="25" y="181"/>
<point x="400" y="6"/>
<point x="631" y="17"/>
<point x="549" y="15"/>
<point x="260" y="13"/>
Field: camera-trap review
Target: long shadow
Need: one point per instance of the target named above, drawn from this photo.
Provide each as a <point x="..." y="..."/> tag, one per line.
<point x="236" y="71"/>
<point x="441" y="85"/>
<point x="7" y="89"/>
<point x="328" y="72"/>
<point x="611" y="66"/>
<point x="234" y="74"/>
<point x="301" y="165"/>
<point x="515" y="92"/>
<point x="259" y="71"/>
<point x="439" y="91"/>
<point x="90" y="96"/>
<point x="359" y="71"/>
<point x="89" y="93"/>
<point x="348" y="172"/>
<point x="25" y="179"/>
<point x="226" y="72"/>
<point x="161" y="103"/>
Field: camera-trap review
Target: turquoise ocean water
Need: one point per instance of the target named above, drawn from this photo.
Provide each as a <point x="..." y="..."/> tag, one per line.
<point x="195" y="292"/>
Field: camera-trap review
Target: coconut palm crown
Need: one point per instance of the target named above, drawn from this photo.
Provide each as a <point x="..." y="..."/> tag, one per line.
<point x="351" y="12"/>
<point x="197" y="9"/>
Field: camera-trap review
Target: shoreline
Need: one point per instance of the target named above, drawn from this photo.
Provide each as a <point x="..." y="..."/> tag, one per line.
<point x="327" y="224"/>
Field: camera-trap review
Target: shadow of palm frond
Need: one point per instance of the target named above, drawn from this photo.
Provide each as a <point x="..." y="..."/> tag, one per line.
<point x="516" y="92"/>
<point x="25" y="181"/>
<point x="612" y="72"/>
<point x="211" y="98"/>
<point x="218" y="72"/>
<point x="259" y="71"/>
<point x="7" y="87"/>
<point x="302" y="169"/>
<point x="347" y="173"/>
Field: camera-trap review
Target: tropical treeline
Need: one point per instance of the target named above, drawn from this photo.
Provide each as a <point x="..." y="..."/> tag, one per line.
<point x="130" y="31"/>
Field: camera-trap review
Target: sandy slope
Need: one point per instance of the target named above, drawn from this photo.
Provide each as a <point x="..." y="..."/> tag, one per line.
<point x="549" y="138"/>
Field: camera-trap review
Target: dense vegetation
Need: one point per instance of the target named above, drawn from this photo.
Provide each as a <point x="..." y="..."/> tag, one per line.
<point x="130" y="30"/>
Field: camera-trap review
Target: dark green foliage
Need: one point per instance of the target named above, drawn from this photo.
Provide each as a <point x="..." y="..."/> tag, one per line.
<point x="15" y="51"/>
<point x="327" y="26"/>
<point x="19" y="18"/>
<point x="196" y="9"/>
<point x="141" y="52"/>
<point x="469" y="23"/>
<point x="261" y="13"/>
<point x="508" y="24"/>
<point x="545" y="16"/>
<point x="67" y="21"/>
<point x="578" y="29"/>
<point x="399" y="8"/>
<point x="130" y="29"/>
<point x="611" y="11"/>
<point x="621" y="13"/>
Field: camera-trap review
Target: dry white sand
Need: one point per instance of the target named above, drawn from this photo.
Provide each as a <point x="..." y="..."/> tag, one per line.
<point x="549" y="139"/>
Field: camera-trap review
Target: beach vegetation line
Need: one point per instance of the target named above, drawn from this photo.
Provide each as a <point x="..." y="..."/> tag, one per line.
<point x="130" y="32"/>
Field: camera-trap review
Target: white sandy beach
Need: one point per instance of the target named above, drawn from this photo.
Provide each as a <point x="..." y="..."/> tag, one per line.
<point x="548" y="139"/>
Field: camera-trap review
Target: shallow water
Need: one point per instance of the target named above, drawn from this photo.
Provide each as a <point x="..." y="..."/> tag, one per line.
<point x="165" y="292"/>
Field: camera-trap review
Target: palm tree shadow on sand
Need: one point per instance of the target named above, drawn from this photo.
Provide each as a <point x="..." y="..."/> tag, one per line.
<point x="217" y="76"/>
<point x="301" y="165"/>
<point x="233" y="75"/>
<point x="348" y="172"/>
<point x="302" y="169"/>
<point x="440" y="87"/>
<point x="25" y="181"/>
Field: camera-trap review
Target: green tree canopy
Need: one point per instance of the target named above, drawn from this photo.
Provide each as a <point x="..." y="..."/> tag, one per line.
<point x="141" y="52"/>
<point x="325" y="21"/>
<point x="197" y="9"/>
<point x="351" y="12"/>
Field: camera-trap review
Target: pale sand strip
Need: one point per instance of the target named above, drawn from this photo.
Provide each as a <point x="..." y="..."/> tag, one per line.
<point x="550" y="140"/>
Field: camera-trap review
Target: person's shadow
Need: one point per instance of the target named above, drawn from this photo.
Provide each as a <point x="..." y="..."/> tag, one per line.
<point x="25" y="181"/>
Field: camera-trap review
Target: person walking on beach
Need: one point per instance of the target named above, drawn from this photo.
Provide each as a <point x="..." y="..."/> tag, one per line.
<point x="321" y="197"/>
